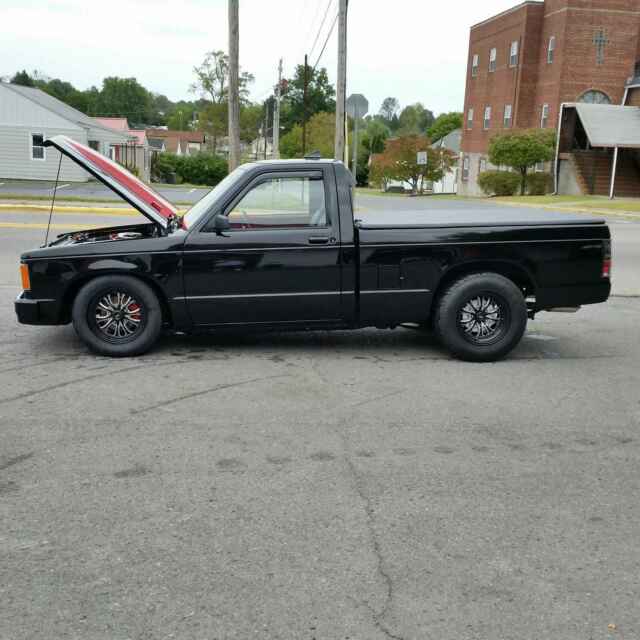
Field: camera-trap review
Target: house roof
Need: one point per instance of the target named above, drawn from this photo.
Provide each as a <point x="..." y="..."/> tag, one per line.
<point x="609" y="125"/>
<point x="122" y="125"/>
<point x="57" y="106"/>
<point x="452" y="141"/>
<point x="183" y="136"/>
<point x="118" y="124"/>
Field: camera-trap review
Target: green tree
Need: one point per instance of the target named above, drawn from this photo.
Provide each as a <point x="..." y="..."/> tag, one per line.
<point x="444" y="124"/>
<point x="389" y="112"/>
<point x="180" y="119"/>
<point x="23" y="78"/>
<point x="320" y="96"/>
<point x="321" y="131"/>
<point x="251" y="117"/>
<point x="414" y="119"/>
<point x="212" y="79"/>
<point x="375" y="135"/>
<point x="213" y="120"/>
<point x="124" y="97"/>
<point x="521" y="150"/>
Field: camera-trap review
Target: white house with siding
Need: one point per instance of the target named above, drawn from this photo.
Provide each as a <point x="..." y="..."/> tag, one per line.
<point x="29" y="116"/>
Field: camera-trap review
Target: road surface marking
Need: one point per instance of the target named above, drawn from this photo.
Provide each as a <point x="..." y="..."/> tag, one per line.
<point x="56" y="212"/>
<point x="62" y="186"/>
<point x="37" y="225"/>
<point x="192" y="190"/>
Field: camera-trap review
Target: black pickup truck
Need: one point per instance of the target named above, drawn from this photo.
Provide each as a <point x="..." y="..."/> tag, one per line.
<point x="275" y="246"/>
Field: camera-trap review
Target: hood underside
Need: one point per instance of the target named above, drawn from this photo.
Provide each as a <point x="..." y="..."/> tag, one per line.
<point x="122" y="182"/>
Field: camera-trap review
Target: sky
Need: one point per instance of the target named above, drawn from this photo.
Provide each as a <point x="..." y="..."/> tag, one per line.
<point x="414" y="50"/>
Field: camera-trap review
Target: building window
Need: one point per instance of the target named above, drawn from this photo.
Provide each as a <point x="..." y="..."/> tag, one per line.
<point x="465" y="169"/>
<point x="513" y="56"/>
<point x="95" y="145"/>
<point x="470" y="115"/>
<point x="551" y="50"/>
<point x="474" y="65"/>
<point x="508" y="115"/>
<point x="595" y="97"/>
<point x="482" y="166"/>
<point x="544" y="118"/>
<point x="487" y="118"/>
<point x="539" y="167"/>
<point x="37" y="146"/>
<point x="493" y="60"/>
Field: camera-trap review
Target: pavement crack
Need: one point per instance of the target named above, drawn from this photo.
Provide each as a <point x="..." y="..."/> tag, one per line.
<point x="23" y="457"/>
<point x="378" y="616"/>
<point x="195" y="394"/>
<point x="61" y="385"/>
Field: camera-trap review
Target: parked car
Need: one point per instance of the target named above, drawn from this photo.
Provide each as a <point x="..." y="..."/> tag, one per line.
<point x="275" y="246"/>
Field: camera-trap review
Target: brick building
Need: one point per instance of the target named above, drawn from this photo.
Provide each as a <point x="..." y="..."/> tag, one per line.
<point x="525" y="62"/>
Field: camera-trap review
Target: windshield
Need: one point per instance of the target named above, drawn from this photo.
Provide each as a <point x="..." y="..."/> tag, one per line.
<point x="203" y="206"/>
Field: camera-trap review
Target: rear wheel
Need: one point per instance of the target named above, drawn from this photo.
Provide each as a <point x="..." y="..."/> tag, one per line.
<point x="481" y="317"/>
<point x="117" y="316"/>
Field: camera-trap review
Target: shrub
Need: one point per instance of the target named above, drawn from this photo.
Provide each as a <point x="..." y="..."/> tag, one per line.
<point x="499" y="183"/>
<point x="539" y="184"/>
<point x="202" y="168"/>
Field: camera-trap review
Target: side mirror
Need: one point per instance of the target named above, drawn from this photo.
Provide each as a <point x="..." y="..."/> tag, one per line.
<point x="221" y="223"/>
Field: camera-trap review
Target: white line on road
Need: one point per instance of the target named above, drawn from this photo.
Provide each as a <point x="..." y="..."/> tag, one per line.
<point x="62" y="186"/>
<point x="192" y="190"/>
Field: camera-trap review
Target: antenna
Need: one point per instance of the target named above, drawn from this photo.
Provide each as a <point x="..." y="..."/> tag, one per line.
<point x="53" y="201"/>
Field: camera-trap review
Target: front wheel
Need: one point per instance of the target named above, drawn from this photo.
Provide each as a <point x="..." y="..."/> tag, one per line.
<point x="481" y="317"/>
<point x="117" y="316"/>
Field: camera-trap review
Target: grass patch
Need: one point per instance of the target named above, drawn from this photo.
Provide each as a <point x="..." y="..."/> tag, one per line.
<point x="586" y="203"/>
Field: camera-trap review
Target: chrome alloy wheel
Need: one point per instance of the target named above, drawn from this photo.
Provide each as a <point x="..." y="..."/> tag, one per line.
<point x="483" y="319"/>
<point x="118" y="316"/>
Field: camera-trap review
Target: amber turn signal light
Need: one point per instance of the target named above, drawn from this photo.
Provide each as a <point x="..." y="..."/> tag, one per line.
<point x="24" y="275"/>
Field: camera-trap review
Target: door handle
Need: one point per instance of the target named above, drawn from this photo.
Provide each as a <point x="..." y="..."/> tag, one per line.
<point x="318" y="239"/>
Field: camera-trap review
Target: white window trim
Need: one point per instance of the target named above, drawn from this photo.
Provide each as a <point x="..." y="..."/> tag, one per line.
<point x="510" y="119"/>
<point x="515" y="44"/>
<point x="486" y="121"/>
<point x="551" y="50"/>
<point x="31" y="146"/>
<point x="544" y="116"/>
<point x="475" y="64"/>
<point x="466" y="169"/>
<point x="470" y="117"/>
<point x="493" y="60"/>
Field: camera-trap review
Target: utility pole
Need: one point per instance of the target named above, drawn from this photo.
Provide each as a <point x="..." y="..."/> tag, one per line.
<point x="276" y="115"/>
<point x="234" y="84"/>
<point x="341" y="93"/>
<point x="304" y="106"/>
<point x="266" y="127"/>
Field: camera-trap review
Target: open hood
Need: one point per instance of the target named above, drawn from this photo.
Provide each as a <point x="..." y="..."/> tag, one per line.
<point x="139" y="195"/>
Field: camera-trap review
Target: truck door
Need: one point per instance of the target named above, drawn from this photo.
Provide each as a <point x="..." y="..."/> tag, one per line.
<point x="279" y="262"/>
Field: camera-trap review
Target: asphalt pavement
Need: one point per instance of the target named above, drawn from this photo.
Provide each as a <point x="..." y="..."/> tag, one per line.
<point x="358" y="485"/>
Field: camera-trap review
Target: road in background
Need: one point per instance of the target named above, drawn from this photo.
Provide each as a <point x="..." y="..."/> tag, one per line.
<point x="92" y="189"/>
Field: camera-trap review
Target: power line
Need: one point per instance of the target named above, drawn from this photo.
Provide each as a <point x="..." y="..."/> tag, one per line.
<point x="324" y="19"/>
<point x="312" y="24"/>
<point x="326" y="42"/>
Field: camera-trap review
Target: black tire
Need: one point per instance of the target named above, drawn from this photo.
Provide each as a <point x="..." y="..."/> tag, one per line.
<point x="138" y="323"/>
<point x="481" y="317"/>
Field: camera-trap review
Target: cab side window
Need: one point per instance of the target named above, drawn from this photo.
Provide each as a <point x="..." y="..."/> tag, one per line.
<point x="281" y="203"/>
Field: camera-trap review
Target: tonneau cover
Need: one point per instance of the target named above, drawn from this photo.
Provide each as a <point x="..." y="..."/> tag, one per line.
<point x="502" y="217"/>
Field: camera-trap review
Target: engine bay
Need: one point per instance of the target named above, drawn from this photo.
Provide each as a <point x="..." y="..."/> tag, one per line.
<point x="113" y="234"/>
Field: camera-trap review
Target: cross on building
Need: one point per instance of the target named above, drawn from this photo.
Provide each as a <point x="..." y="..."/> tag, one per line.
<point x="601" y="41"/>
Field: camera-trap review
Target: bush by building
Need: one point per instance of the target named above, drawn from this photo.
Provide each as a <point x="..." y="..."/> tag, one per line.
<point x="499" y="183"/>
<point x="539" y="184"/>
<point x="202" y="168"/>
